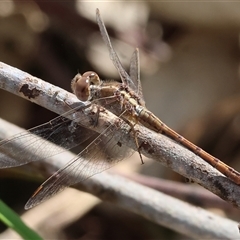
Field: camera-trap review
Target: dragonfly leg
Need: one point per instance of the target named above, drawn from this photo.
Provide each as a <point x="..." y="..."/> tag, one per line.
<point x="137" y="144"/>
<point x="135" y="132"/>
<point x="78" y="105"/>
<point x="95" y="118"/>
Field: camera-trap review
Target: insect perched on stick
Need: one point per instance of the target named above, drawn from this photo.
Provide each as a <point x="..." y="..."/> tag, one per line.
<point x="124" y="99"/>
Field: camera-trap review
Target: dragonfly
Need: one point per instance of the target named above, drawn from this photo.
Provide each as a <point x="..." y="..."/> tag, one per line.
<point x="124" y="99"/>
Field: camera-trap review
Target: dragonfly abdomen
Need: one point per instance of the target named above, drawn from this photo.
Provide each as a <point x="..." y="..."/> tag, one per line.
<point x="149" y="120"/>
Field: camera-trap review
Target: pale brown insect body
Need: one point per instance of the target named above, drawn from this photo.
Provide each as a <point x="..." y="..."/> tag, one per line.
<point x="125" y="99"/>
<point x="136" y="111"/>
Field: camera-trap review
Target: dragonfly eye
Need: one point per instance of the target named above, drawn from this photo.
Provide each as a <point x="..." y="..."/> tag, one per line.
<point x="92" y="77"/>
<point x="81" y="84"/>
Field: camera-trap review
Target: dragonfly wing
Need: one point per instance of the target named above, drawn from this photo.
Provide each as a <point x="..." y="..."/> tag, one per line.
<point x="31" y="145"/>
<point x="135" y="73"/>
<point x="94" y="159"/>
<point x="113" y="55"/>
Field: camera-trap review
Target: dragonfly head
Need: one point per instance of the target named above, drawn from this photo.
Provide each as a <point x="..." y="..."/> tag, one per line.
<point x="81" y="85"/>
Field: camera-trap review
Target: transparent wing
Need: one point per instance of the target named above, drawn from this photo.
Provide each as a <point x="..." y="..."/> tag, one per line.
<point x="113" y="55"/>
<point x="135" y="73"/>
<point x="94" y="159"/>
<point x="62" y="131"/>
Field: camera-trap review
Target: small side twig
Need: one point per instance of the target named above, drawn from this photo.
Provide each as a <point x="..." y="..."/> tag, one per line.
<point x="191" y="193"/>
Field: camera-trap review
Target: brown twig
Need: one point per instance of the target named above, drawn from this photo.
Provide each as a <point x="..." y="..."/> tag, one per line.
<point x="191" y="193"/>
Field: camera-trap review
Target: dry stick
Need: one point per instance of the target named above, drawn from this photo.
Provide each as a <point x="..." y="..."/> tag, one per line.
<point x="158" y="207"/>
<point x="151" y="204"/>
<point x="190" y="193"/>
<point x="153" y="145"/>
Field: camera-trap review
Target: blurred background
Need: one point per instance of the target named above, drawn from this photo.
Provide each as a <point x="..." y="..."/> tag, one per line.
<point x="189" y="55"/>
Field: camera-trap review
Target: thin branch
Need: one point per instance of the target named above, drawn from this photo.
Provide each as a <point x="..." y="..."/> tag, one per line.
<point x="35" y="90"/>
<point x="153" y="205"/>
<point x="153" y="145"/>
<point x="190" y="193"/>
